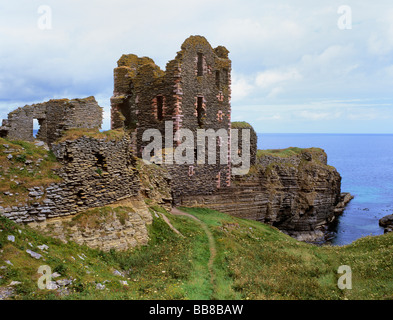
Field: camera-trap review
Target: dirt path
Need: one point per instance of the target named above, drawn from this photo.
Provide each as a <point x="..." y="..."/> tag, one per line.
<point x="169" y="223"/>
<point x="212" y="243"/>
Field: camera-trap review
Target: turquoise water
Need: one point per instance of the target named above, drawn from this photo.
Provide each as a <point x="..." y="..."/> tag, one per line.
<point x="365" y="163"/>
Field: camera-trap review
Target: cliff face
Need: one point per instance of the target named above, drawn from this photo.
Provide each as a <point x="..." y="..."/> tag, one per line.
<point x="293" y="189"/>
<point x="119" y="226"/>
<point x="98" y="196"/>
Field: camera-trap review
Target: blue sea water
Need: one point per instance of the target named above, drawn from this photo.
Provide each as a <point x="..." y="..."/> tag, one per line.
<point x="365" y="162"/>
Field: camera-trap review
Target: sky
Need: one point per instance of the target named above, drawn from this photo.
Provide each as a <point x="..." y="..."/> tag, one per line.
<point x="298" y="66"/>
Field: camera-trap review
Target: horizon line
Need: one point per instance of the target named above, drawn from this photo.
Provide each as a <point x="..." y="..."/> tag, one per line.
<point x="337" y="133"/>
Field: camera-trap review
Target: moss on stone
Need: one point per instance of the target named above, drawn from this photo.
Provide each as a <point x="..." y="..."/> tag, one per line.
<point x="195" y="41"/>
<point x="240" y="125"/>
<point x="288" y="152"/>
<point x="76" y="133"/>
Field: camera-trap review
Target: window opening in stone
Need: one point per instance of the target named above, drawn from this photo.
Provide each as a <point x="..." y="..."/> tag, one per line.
<point x="36" y="127"/>
<point x="225" y="76"/>
<point x="160" y="108"/>
<point x="200" y="64"/>
<point x="200" y="112"/>
<point x="40" y="130"/>
<point x="218" y="78"/>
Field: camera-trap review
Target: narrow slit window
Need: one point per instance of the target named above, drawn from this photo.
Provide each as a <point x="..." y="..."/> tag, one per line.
<point x="160" y="107"/>
<point x="200" y="112"/>
<point x="217" y="78"/>
<point x="200" y="64"/>
<point x="36" y="127"/>
<point x="226" y="76"/>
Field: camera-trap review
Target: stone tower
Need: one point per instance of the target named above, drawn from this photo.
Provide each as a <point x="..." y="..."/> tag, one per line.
<point x="192" y="93"/>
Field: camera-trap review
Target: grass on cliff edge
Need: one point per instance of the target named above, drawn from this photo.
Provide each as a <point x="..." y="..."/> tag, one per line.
<point x="30" y="166"/>
<point x="288" y="152"/>
<point x="253" y="261"/>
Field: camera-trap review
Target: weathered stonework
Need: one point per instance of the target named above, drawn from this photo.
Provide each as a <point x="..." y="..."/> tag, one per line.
<point x="193" y="93"/>
<point x="121" y="226"/>
<point x="54" y="117"/>
<point x="298" y="194"/>
<point x="94" y="172"/>
<point x="252" y="142"/>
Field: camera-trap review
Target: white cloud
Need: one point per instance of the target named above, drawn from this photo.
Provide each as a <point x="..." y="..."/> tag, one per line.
<point x="317" y="116"/>
<point x="275" y="92"/>
<point x="241" y="86"/>
<point x="273" y="117"/>
<point x="269" y="78"/>
<point x="380" y="41"/>
<point x="283" y="54"/>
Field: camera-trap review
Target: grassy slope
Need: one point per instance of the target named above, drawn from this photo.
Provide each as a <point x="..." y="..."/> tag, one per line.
<point x="16" y="176"/>
<point x="253" y="261"/>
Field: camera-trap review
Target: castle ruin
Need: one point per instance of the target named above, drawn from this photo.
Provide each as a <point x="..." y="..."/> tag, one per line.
<point x="194" y="92"/>
<point x="54" y="117"/>
<point x="297" y="194"/>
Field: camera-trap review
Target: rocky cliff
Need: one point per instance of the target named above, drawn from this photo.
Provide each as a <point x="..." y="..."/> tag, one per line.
<point x="294" y="190"/>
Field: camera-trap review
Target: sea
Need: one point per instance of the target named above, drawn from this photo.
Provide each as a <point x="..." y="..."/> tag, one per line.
<point x="365" y="163"/>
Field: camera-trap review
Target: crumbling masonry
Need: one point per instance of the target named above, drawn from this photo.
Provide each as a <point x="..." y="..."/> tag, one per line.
<point x="194" y="93"/>
<point x="54" y="117"/>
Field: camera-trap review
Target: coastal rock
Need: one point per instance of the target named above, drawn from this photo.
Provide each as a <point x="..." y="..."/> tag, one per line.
<point x="299" y="194"/>
<point x="345" y="198"/>
<point x="387" y="223"/>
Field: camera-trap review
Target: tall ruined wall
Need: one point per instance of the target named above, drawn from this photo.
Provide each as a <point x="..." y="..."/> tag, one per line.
<point x="251" y="143"/>
<point x="54" y="117"/>
<point x="94" y="172"/>
<point x="193" y="93"/>
<point x="205" y="104"/>
<point x="297" y="194"/>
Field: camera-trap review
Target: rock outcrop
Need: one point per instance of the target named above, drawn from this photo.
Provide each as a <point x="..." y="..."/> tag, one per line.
<point x="297" y="193"/>
<point x="387" y="223"/>
<point x="121" y="226"/>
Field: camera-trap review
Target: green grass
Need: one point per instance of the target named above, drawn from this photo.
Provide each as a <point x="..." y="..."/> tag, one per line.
<point x="240" y="125"/>
<point x="288" y="152"/>
<point x="16" y="176"/>
<point x="76" y="133"/>
<point x="253" y="261"/>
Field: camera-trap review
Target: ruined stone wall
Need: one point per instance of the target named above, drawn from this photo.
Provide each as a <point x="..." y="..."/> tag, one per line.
<point x="205" y="104"/>
<point x="193" y="93"/>
<point x="251" y="144"/>
<point x="94" y="172"/>
<point x="54" y="116"/>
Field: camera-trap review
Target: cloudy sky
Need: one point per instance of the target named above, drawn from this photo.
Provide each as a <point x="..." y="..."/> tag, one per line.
<point x="298" y="66"/>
